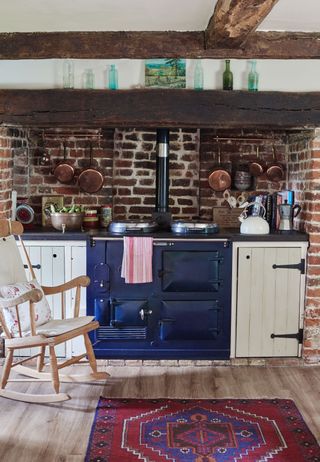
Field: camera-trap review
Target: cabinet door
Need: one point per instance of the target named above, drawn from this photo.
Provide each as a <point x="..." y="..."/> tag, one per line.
<point x="268" y="301"/>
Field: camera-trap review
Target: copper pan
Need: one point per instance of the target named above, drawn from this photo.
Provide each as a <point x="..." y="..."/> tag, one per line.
<point x="90" y="179"/>
<point x="256" y="168"/>
<point x="219" y="179"/>
<point x="64" y="172"/>
<point x="275" y="171"/>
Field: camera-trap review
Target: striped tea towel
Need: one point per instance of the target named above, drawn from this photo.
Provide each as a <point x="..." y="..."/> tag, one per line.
<point x="137" y="259"/>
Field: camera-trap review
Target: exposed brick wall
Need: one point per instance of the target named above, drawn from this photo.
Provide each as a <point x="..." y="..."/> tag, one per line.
<point x="135" y="172"/>
<point x="13" y="141"/>
<point x="127" y="160"/>
<point x="33" y="180"/>
<point x="239" y="147"/>
<point x="304" y="178"/>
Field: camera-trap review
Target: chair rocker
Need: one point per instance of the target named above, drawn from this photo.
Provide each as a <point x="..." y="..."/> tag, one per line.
<point x="26" y="322"/>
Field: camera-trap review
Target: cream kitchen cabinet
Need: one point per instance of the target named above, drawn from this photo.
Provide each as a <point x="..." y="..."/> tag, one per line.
<point x="268" y="298"/>
<point x="55" y="262"/>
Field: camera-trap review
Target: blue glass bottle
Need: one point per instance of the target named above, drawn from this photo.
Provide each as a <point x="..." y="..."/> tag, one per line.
<point x="113" y="77"/>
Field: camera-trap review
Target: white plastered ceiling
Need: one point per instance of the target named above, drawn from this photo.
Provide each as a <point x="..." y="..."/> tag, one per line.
<point x="135" y="15"/>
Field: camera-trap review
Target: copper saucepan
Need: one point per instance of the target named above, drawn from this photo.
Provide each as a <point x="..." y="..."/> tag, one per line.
<point x="275" y="171"/>
<point x="219" y="179"/>
<point x="256" y="168"/>
<point x="64" y="172"/>
<point x="90" y="179"/>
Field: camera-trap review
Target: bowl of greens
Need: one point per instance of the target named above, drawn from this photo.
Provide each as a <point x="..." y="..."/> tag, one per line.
<point x="66" y="218"/>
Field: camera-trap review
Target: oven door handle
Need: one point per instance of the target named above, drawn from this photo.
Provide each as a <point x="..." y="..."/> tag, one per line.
<point x="144" y="312"/>
<point x="162" y="272"/>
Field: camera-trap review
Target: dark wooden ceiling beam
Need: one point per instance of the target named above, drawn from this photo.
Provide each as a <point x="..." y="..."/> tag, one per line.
<point x="159" y="108"/>
<point x="143" y="45"/>
<point x="234" y="20"/>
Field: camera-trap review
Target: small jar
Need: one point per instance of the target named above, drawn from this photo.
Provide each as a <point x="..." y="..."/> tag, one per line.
<point x="105" y="216"/>
<point x="90" y="219"/>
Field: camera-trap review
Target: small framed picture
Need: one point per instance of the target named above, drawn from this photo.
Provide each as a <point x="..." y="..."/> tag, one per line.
<point x="165" y="73"/>
<point x="57" y="201"/>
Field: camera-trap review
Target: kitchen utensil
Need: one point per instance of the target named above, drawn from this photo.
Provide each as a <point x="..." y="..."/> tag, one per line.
<point x="90" y="179"/>
<point x="132" y="226"/>
<point x="67" y="221"/>
<point x="105" y="215"/>
<point x="256" y="168"/>
<point x="190" y="227"/>
<point x="13" y="204"/>
<point x="241" y="200"/>
<point x="275" y="171"/>
<point x="24" y="214"/>
<point x="219" y="179"/>
<point x="254" y="225"/>
<point x="44" y="159"/>
<point x="91" y="219"/>
<point x="287" y="213"/>
<point x="242" y="180"/>
<point x="232" y="201"/>
<point x="64" y="172"/>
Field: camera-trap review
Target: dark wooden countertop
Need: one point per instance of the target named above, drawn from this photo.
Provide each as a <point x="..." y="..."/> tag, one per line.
<point x="233" y="235"/>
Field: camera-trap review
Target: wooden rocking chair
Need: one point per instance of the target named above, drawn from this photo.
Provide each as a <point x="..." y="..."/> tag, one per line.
<point x="29" y="325"/>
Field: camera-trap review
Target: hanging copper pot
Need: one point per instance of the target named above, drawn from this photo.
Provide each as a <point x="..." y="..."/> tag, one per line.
<point x="219" y="179"/>
<point x="256" y="168"/>
<point x="275" y="171"/>
<point x="90" y="179"/>
<point x="64" y="172"/>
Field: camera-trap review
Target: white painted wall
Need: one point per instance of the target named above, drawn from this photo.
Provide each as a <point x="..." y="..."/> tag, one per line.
<point x="278" y="75"/>
<point x="152" y="15"/>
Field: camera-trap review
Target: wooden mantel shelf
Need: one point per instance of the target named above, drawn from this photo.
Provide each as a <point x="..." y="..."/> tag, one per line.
<point x="159" y="108"/>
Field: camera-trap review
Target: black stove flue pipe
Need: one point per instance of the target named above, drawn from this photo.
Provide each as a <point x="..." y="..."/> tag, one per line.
<point x="162" y="214"/>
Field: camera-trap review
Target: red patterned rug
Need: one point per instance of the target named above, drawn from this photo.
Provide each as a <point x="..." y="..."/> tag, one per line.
<point x="221" y="430"/>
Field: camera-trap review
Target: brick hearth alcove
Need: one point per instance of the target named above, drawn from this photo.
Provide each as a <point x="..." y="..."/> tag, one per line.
<point x="127" y="156"/>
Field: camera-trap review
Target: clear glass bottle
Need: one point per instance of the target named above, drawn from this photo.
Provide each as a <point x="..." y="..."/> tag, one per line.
<point x="198" y="76"/>
<point x="253" y="77"/>
<point x="113" y="77"/>
<point x="227" y="77"/>
<point x="88" y="79"/>
<point x="68" y="73"/>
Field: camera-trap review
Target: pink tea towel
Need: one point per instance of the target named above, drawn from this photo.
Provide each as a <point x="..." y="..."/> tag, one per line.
<point x="137" y="259"/>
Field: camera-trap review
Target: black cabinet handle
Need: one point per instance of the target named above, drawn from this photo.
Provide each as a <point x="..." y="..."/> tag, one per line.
<point x="38" y="266"/>
<point x="54" y="255"/>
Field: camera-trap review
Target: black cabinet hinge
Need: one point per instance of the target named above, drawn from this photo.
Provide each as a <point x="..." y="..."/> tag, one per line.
<point x="299" y="266"/>
<point x="298" y="336"/>
<point x="92" y="242"/>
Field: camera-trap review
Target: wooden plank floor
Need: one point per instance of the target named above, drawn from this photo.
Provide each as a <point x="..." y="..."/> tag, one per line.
<point x="59" y="432"/>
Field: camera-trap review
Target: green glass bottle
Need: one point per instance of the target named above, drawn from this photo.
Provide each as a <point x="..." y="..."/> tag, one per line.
<point x="198" y="76"/>
<point x="227" y="77"/>
<point x="253" y="77"/>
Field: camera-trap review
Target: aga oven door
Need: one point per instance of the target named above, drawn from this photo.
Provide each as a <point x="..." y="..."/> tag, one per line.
<point x="199" y="320"/>
<point x="192" y="267"/>
<point x="126" y="320"/>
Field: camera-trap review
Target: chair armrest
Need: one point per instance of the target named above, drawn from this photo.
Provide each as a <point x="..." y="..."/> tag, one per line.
<point x="82" y="281"/>
<point x="33" y="295"/>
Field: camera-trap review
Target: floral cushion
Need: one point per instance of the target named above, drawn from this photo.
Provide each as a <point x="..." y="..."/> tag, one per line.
<point x="42" y="308"/>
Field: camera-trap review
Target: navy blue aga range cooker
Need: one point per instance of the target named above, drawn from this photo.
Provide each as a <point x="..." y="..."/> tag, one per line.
<point x="183" y="313"/>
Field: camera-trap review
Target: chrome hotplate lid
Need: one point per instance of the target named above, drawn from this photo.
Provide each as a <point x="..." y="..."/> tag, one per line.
<point x="127" y="226"/>
<point x="182" y="227"/>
